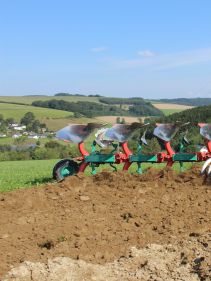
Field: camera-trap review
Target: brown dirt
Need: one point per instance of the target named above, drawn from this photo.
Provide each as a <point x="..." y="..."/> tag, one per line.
<point x="92" y="223"/>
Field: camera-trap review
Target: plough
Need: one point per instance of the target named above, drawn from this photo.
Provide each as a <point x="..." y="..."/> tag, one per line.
<point x="117" y="138"/>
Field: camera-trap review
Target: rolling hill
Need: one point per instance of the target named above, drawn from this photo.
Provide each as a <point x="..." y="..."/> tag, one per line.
<point x="17" y="111"/>
<point x="169" y="106"/>
<point x="17" y="106"/>
<point x="54" y="119"/>
<point x="186" y="101"/>
<point x="29" y="99"/>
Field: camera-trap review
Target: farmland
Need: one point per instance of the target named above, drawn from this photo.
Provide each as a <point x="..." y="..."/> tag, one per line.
<point x="42" y="114"/>
<point x="29" y="99"/>
<point x="36" y="172"/>
<point x="136" y="217"/>
<point x="139" y="224"/>
<point x="17" y="111"/>
<point x="170" y="108"/>
<point x="25" y="173"/>
<point x="112" y="119"/>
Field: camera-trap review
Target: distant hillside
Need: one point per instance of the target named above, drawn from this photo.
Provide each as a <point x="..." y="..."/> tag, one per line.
<point x="67" y="94"/>
<point x="129" y="101"/>
<point x="193" y="115"/>
<point x="92" y="109"/>
<point x="17" y="111"/>
<point x="76" y="95"/>
<point x="81" y="108"/>
<point x="185" y="101"/>
<point x="29" y="99"/>
<point x="136" y="106"/>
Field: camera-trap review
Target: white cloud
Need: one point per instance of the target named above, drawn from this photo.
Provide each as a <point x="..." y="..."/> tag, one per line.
<point x="166" y="61"/>
<point x="146" y="54"/>
<point x="99" y="49"/>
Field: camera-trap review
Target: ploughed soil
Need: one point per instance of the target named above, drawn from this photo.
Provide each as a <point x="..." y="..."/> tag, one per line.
<point x="112" y="226"/>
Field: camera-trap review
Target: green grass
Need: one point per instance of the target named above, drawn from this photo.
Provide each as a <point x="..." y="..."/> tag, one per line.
<point x="8" y="141"/>
<point x="17" y="111"/>
<point x="53" y="118"/>
<point x="19" y="174"/>
<point x="12" y="141"/>
<point x="171" y="111"/>
<point x="23" y="174"/>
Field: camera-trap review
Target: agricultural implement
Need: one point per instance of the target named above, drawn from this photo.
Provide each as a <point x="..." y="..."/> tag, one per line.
<point x="116" y="138"/>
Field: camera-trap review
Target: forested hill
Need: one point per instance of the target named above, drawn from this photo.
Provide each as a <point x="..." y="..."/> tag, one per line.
<point x="194" y="115"/>
<point x="92" y="109"/>
<point x="128" y="101"/>
<point x="185" y="101"/>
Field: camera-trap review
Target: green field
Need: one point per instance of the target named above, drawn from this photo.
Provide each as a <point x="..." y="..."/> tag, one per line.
<point x="54" y="119"/>
<point x="30" y="99"/>
<point x="23" y="174"/>
<point x="18" y="174"/>
<point x="170" y="111"/>
<point x="17" y="111"/>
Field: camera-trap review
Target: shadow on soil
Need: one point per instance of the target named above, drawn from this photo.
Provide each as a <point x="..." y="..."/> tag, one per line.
<point x="38" y="181"/>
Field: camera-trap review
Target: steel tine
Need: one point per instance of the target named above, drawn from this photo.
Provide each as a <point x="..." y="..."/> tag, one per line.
<point x="209" y="171"/>
<point x="143" y="138"/>
<point x="204" y="167"/>
<point x="185" y="137"/>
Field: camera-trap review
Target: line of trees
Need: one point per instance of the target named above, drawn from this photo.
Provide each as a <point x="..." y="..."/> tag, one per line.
<point x="194" y="116"/>
<point x="129" y="101"/>
<point x="82" y="108"/>
<point x="31" y="123"/>
<point x="51" y="150"/>
<point x="93" y="109"/>
<point x="191" y="102"/>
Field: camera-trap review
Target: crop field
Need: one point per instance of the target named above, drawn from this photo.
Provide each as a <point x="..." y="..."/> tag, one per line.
<point x="29" y="173"/>
<point x="171" y="111"/>
<point x="170" y="108"/>
<point x="18" y="174"/>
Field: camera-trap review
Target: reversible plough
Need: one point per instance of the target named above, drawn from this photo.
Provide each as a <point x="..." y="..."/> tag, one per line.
<point x="117" y="138"/>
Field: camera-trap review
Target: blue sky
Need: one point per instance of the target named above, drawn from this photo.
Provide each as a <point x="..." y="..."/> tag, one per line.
<point x="150" y="49"/>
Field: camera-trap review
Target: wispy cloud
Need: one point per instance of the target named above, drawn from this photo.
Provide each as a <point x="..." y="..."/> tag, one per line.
<point x="146" y="53"/>
<point x="99" y="49"/>
<point x="165" y="61"/>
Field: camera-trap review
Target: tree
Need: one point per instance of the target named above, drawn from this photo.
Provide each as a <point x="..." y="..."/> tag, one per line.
<point x="20" y="140"/>
<point x="35" y="126"/>
<point x="123" y="121"/>
<point x="118" y="120"/>
<point x="1" y="118"/>
<point x="153" y="147"/>
<point x="28" y="119"/>
<point x="77" y="115"/>
<point x="10" y="121"/>
<point x="3" y="127"/>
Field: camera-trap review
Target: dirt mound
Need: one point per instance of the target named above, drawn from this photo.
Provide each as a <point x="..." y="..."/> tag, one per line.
<point x="154" y="262"/>
<point x="98" y="219"/>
